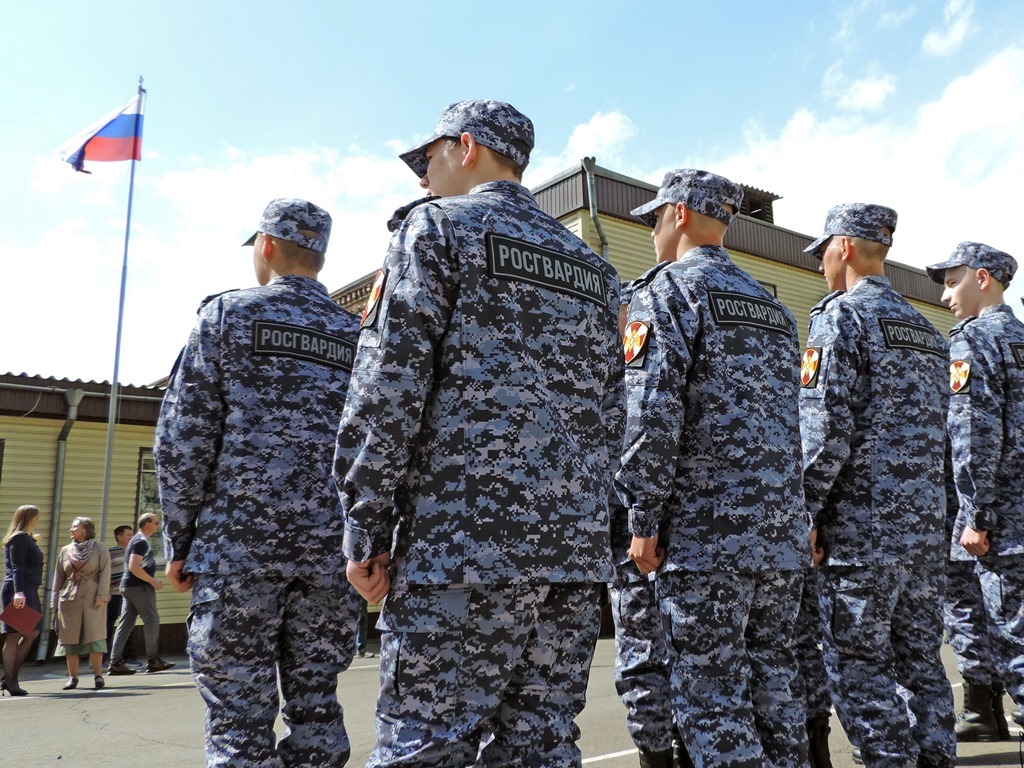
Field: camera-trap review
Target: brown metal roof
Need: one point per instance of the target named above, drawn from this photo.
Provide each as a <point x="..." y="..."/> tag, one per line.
<point x="42" y="397"/>
<point x="617" y="195"/>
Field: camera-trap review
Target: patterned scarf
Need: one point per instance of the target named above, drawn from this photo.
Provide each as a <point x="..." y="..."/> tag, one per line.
<point x="79" y="553"/>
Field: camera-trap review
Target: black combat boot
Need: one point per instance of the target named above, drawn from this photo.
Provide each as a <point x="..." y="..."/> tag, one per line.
<point x="680" y="757"/>
<point x="662" y="759"/>
<point x="998" y="713"/>
<point x="817" y="739"/>
<point x="975" y="721"/>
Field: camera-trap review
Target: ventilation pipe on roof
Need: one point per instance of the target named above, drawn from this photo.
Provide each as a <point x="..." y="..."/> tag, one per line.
<point x="588" y="166"/>
<point x="74" y="398"/>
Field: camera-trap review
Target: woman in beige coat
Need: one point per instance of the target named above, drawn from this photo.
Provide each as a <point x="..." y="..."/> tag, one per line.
<point x="81" y="589"/>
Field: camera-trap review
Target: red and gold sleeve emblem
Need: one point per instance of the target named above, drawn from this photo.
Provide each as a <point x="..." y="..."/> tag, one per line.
<point x="810" y="365"/>
<point x="959" y="376"/>
<point x="373" y="302"/>
<point x="634" y="343"/>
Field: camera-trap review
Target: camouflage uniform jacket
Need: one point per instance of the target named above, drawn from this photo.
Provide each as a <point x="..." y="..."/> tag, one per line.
<point x="485" y="411"/>
<point x="986" y="428"/>
<point x="711" y="458"/>
<point x="246" y="432"/>
<point x="872" y="412"/>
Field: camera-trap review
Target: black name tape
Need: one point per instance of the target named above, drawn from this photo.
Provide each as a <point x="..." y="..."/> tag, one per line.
<point x="740" y="309"/>
<point x="902" y="335"/>
<point x="1018" y="353"/>
<point x="283" y="340"/>
<point x="516" y="260"/>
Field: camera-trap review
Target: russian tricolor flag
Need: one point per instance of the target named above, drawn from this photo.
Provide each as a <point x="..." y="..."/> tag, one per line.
<point x="118" y="136"/>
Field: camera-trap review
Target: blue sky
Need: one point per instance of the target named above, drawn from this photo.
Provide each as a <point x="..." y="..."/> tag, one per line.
<point x="919" y="105"/>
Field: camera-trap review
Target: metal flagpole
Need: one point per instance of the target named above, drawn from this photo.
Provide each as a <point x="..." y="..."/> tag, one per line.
<point x="112" y="414"/>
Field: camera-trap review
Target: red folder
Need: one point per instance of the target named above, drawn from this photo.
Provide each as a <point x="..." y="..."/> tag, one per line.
<point x="22" y="620"/>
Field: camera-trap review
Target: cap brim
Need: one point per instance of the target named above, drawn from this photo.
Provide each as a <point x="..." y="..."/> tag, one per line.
<point x="251" y="240"/>
<point x="646" y="212"/>
<point x="816" y="245"/>
<point x="937" y="272"/>
<point x="416" y="158"/>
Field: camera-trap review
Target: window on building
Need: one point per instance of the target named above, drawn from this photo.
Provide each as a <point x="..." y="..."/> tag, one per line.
<point x="2" y="441"/>
<point x="770" y="287"/>
<point x="147" y="499"/>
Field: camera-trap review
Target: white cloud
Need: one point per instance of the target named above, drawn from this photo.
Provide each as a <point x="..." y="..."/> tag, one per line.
<point x="897" y="18"/>
<point x="944" y="40"/>
<point x="951" y="172"/>
<point x="866" y="94"/>
<point x="605" y="136"/>
<point x="849" y="16"/>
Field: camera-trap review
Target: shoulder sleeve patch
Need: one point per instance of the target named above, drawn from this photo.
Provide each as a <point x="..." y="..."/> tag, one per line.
<point x="960" y="377"/>
<point x="1018" y="354"/>
<point x="634" y="343"/>
<point x="739" y="309"/>
<point x="900" y="334"/>
<point x="373" y="302"/>
<point x="286" y="340"/>
<point x="810" y="366"/>
<point x="525" y="262"/>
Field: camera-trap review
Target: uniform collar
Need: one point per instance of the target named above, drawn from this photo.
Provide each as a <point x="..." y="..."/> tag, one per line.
<point x="993" y="311"/>
<point x="996" y="309"/>
<point x="875" y="281"/>
<point x="509" y="187"/>
<point x="300" y="281"/>
<point x="716" y="252"/>
<point x="826" y="300"/>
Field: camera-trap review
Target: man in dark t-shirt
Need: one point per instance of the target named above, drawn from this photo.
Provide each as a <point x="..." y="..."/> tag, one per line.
<point x="138" y="586"/>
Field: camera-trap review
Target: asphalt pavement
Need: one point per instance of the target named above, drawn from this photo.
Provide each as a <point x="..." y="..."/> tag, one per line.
<point x="156" y="720"/>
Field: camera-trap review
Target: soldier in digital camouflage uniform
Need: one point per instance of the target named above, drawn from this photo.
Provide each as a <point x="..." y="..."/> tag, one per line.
<point x="482" y="428"/>
<point x="872" y="408"/>
<point x="244" y="449"/>
<point x="711" y="478"/>
<point x="986" y="432"/>
<point x="642" y="664"/>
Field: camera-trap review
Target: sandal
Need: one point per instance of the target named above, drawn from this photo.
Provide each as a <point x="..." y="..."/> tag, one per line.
<point x="70" y="684"/>
<point x="98" y="682"/>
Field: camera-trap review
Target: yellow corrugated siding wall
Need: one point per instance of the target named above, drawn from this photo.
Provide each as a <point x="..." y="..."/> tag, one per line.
<point x="30" y="447"/>
<point x="630" y="249"/>
<point x="29" y="461"/>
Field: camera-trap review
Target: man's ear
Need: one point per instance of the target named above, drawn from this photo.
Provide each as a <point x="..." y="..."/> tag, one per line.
<point x="984" y="278"/>
<point x="847" y="247"/>
<point x="268" y="249"/>
<point x="682" y="215"/>
<point x="470" y="148"/>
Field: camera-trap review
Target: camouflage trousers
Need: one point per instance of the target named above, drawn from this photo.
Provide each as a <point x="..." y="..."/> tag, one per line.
<point x="811" y="683"/>
<point x="1002" y="586"/>
<point x="966" y="623"/>
<point x="641" y="660"/>
<point x="733" y="666"/>
<point x="495" y="674"/>
<point x="883" y="629"/>
<point x="246" y="634"/>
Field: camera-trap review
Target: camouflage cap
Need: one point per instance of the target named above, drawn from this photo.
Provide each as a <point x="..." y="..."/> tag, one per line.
<point x="284" y="218"/>
<point x="700" y="191"/>
<point x="493" y="124"/>
<point x="1002" y="266"/>
<point x="864" y="220"/>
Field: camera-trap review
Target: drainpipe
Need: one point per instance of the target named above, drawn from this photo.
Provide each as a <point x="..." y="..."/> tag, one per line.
<point x="74" y="397"/>
<point x="588" y="166"/>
